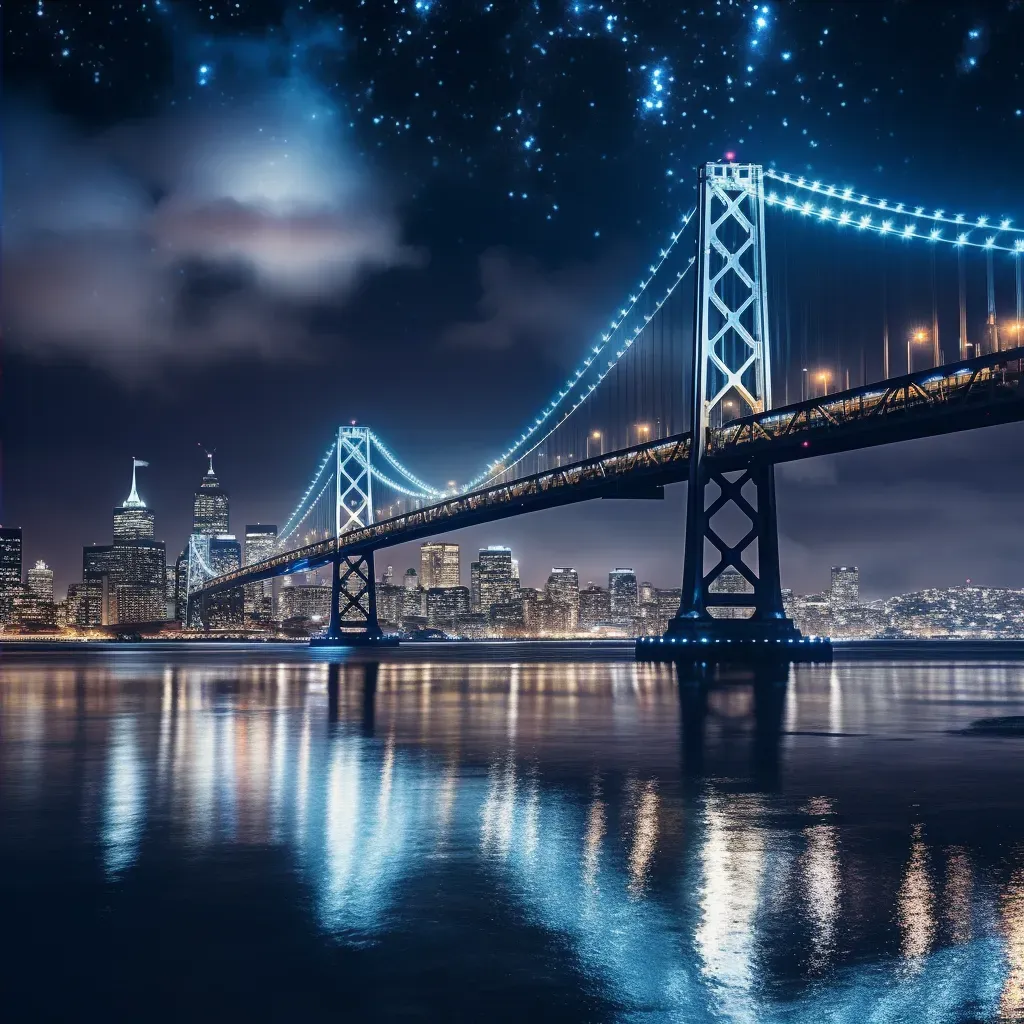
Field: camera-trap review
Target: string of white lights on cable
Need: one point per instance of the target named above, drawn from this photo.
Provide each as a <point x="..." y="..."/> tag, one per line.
<point x="852" y="195"/>
<point x="492" y="469"/>
<point x="312" y="505"/>
<point x="288" y="528"/>
<point x="427" y="490"/>
<point x="846" y="208"/>
<point x="590" y="390"/>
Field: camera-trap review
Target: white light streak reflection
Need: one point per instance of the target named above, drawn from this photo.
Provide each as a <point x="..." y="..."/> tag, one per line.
<point x="1011" y="1003"/>
<point x="592" y="841"/>
<point x="916" y="903"/>
<point x="822" y="883"/>
<point x="732" y="859"/>
<point x="645" y="838"/>
<point x="123" y="809"/>
<point x="957" y="895"/>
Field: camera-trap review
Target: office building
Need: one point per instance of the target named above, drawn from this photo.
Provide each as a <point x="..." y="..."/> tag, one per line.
<point x="132" y="520"/>
<point x="444" y="604"/>
<point x="260" y="543"/>
<point x="210" y="506"/>
<point x="497" y="583"/>
<point x="563" y="588"/>
<point x="226" y="556"/>
<point x="390" y="603"/>
<point x="309" y="602"/>
<point x="39" y="582"/>
<point x="10" y="570"/>
<point x="439" y="565"/>
<point x="595" y="607"/>
<point x="623" y="596"/>
<point x="844" y="594"/>
<point x="474" y="586"/>
<point x="140" y="580"/>
<point x="98" y="603"/>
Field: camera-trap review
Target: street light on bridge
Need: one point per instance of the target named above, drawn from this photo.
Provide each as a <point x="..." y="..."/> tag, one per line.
<point x="916" y="336"/>
<point x="596" y="435"/>
<point x="824" y="376"/>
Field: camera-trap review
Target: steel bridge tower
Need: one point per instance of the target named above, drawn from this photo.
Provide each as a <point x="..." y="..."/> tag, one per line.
<point x="353" y="594"/>
<point x="731" y="377"/>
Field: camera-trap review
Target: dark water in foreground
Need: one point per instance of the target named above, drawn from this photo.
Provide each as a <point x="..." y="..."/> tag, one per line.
<point x="239" y="836"/>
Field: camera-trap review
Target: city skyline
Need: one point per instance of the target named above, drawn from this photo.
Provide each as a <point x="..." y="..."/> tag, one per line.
<point x="475" y="270"/>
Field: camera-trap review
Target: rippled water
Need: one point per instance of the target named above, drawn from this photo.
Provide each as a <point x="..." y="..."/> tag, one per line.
<point x="272" y="837"/>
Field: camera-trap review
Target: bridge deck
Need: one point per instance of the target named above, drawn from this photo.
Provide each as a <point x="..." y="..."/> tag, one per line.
<point x="960" y="396"/>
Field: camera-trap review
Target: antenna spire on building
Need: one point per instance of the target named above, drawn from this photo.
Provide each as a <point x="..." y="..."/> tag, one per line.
<point x="133" y="500"/>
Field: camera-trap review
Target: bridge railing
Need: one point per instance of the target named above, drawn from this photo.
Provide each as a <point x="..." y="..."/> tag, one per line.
<point x="967" y="382"/>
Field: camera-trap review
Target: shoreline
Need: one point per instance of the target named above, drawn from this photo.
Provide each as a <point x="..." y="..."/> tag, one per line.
<point x="509" y="650"/>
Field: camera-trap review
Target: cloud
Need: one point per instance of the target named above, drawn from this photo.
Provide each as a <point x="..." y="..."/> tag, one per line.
<point x="186" y="236"/>
<point x="522" y="304"/>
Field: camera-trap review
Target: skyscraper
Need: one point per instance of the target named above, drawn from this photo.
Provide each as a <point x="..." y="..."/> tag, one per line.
<point x="10" y="570"/>
<point x="497" y="583"/>
<point x="439" y="565"/>
<point x="474" y="586"/>
<point x="622" y="593"/>
<point x="39" y="582"/>
<point x="260" y="541"/>
<point x="845" y="591"/>
<point x="138" y="571"/>
<point x="228" y="608"/>
<point x="595" y="607"/>
<point x="210" y="505"/>
<point x="132" y="520"/>
<point x="98" y="601"/>
<point x="563" y="588"/>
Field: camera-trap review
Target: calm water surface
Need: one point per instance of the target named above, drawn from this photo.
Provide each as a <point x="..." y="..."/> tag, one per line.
<point x="267" y="836"/>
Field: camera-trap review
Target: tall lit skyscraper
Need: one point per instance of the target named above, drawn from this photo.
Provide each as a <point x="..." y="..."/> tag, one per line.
<point x="10" y="570"/>
<point x="498" y="585"/>
<point x="622" y="594"/>
<point x="39" y="582"/>
<point x="98" y="603"/>
<point x="260" y="541"/>
<point x="563" y="588"/>
<point x="845" y="591"/>
<point x="132" y="520"/>
<point x="439" y="565"/>
<point x="474" y="586"/>
<point x="210" y="505"/>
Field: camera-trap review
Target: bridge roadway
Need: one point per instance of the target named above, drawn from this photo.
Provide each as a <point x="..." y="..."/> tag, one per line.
<point x="972" y="393"/>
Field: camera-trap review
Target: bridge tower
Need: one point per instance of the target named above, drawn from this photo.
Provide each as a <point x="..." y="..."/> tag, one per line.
<point x="353" y="594"/>
<point x="731" y="376"/>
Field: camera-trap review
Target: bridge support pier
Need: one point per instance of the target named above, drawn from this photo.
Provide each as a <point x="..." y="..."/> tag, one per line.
<point x="731" y="371"/>
<point x="353" y="621"/>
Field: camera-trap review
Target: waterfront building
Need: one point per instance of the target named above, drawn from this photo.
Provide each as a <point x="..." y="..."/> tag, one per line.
<point x="497" y="583"/>
<point x="305" y="601"/>
<point x="595" y="607"/>
<point x="210" y="506"/>
<point x="844" y="594"/>
<point x="10" y="570"/>
<point x="439" y="565"/>
<point x="474" y="586"/>
<point x="622" y="593"/>
<point x="39" y="582"/>
<point x="98" y="604"/>
<point x="390" y="603"/>
<point x="444" y="604"/>
<point x="471" y="626"/>
<point x="260" y="542"/>
<point x="563" y="588"/>
<point x="140" y="580"/>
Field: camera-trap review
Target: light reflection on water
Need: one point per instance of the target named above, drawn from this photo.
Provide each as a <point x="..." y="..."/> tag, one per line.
<point x="831" y="849"/>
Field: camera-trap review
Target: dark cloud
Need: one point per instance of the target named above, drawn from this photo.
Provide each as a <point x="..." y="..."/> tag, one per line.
<point x="521" y="303"/>
<point x="105" y="234"/>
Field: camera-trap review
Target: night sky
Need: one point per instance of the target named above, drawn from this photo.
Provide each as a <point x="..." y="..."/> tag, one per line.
<point x="238" y="224"/>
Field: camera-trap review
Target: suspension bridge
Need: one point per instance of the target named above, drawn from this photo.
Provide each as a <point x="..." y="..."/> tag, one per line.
<point x="696" y="378"/>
